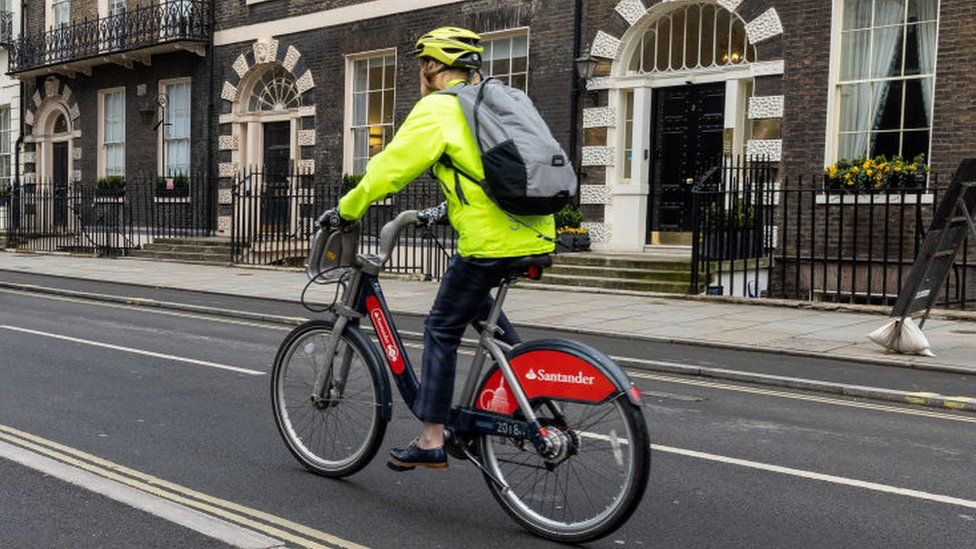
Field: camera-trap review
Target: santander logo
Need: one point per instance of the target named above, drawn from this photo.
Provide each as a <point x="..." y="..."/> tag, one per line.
<point x="385" y="335"/>
<point x="555" y="377"/>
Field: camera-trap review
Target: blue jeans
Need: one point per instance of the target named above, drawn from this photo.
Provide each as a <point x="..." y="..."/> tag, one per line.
<point x="464" y="297"/>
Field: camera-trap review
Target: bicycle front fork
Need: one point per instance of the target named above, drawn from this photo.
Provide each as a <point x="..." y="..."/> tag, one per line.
<point x="328" y="388"/>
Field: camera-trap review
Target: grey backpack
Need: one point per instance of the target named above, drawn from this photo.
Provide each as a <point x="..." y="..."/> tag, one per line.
<point x="526" y="170"/>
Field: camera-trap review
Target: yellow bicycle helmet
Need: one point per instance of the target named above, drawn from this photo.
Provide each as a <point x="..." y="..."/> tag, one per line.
<point x="455" y="47"/>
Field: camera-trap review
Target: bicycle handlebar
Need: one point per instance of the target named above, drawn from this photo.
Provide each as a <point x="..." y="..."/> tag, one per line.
<point x="332" y="249"/>
<point x="390" y="234"/>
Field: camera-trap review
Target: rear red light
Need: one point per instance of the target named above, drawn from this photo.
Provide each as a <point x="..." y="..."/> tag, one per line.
<point x="635" y="394"/>
<point x="535" y="273"/>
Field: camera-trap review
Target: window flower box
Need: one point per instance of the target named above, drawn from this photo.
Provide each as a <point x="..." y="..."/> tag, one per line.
<point x="173" y="187"/>
<point x="876" y="175"/>
<point x="110" y="187"/>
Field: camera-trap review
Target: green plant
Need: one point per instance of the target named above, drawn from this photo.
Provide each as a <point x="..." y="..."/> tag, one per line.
<point x="349" y="182"/>
<point x="737" y="216"/>
<point x="569" y="217"/>
<point x="111" y="182"/>
<point x="876" y="174"/>
<point x="4" y="191"/>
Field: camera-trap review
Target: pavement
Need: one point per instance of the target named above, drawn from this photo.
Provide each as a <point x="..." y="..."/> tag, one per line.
<point x="792" y="330"/>
<point x="176" y="405"/>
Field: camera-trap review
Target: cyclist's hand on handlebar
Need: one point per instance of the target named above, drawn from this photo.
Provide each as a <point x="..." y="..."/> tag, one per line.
<point x="331" y="220"/>
<point x="433" y="216"/>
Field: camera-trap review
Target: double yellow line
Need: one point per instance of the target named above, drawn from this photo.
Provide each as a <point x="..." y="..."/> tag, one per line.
<point x="285" y="530"/>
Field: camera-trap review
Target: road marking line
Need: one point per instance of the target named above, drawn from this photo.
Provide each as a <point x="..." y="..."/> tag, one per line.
<point x="809" y="398"/>
<point x="171" y="490"/>
<point x="208" y="525"/>
<point x="135" y="351"/>
<point x="141" y="305"/>
<point x="844" y="481"/>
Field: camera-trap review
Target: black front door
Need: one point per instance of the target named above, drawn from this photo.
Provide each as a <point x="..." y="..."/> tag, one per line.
<point x="688" y="127"/>
<point x="277" y="163"/>
<point x="59" y="184"/>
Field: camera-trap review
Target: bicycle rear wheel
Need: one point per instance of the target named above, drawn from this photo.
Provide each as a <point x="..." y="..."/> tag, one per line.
<point x="338" y="435"/>
<point x="593" y="484"/>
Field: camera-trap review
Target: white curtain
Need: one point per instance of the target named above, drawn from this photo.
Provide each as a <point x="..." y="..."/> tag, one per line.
<point x="114" y="133"/>
<point x="928" y="10"/>
<point x="178" y="129"/>
<point x="887" y="43"/>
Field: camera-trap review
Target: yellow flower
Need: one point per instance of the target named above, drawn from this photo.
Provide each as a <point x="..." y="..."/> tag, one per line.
<point x="855" y="169"/>
<point x="870" y="172"/>
<point x="832" y="171"/>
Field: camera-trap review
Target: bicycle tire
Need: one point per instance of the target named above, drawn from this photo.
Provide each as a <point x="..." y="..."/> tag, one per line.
<point x="352" y="338"/>
<point x="623" y="509"/>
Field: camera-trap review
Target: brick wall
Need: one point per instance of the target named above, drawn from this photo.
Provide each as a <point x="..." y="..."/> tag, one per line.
<point x="141" y="142"/>
<point x="323" y="51"/>
<point x="954" y="131"/>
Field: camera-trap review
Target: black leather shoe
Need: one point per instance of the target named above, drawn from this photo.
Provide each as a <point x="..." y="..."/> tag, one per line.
<point x="413" y="456"/>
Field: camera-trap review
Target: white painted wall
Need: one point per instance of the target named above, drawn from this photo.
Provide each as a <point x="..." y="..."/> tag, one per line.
<point x="10" y="89"/>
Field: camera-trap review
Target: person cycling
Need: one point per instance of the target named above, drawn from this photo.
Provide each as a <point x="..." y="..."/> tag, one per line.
<point x="436" y="136"/>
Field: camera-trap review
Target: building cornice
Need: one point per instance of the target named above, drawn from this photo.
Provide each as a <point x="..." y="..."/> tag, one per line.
<point x="323" y="19"/>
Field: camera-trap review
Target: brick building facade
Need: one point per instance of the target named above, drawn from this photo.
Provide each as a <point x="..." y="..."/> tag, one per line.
<point x="321" y="86"/>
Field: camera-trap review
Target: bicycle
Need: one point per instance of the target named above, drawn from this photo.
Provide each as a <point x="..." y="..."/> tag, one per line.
<point x="555" y="426"/>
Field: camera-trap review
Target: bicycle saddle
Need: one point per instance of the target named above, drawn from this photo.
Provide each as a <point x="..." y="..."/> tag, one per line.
<point x="530" y="266"/>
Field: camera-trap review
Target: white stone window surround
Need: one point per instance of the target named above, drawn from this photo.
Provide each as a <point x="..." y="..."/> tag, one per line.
<point x="103" y="141"/>
<point x="6" y="144"/>
<point x="160" y="139"/>
<point x="510" y="33"/>
<point x="348" y="124"/>
<point x="832" y="142"/>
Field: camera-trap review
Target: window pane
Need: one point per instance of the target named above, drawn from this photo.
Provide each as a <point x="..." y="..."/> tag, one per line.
<point x="692" y="36"/>
<point x="663" y="44"/>
<point x="920" y="49"/>
<point x="889" y="12"/>
<point x="923" y="10"/>
<point x="855" y="59"/>
<point x="388" y="104"/>
<point x="723" y="28"/>
<point x="361" y="142"/>
<point x="360" y="75"/>
<point x="915" y="143"/>
<point x="852" y="145"/>
<point x="855" y="107"/>
<point x="678" y="39"/>
<point x="375" y="107"/>
<point x="917" y="93"/>
<point x="359" y="109"/>
<point x="708" y="36"/>
<point x="857" y="14"/>
<point x="887" y="53"/>
<point x="519" y="81"/>
<point x="888" y="101"/>
<point x="886" y="143"/>
<point x="376" y="68"/>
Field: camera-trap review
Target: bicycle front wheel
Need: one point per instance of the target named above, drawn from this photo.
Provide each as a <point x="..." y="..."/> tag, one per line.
<point x="338" y="434"/>
<point x="592" y="484"/>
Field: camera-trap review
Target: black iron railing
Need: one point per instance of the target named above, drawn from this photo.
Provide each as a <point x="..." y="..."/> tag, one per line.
<point x="6" y="28"/>
<point x="274" y="220"/>
<point x="761" y="236"/>
<point x="80" y="217"/>
<point x="140" y="27"/>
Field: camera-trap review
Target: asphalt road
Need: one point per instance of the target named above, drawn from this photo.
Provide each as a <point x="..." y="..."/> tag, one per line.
<point x="734" y="466"/>
<point x="820" y="369"/>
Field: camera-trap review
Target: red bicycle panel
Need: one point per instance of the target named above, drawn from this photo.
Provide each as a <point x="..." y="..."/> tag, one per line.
<point x="390" y="348"/>
<point x="546" y="374"/>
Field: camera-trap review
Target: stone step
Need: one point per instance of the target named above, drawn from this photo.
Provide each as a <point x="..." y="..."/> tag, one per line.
<point x="614" y="283"/>
<point x="188" y="248"/>
<point x="221" y="259"/>
<point x="195" y="241"/>
<point x="637" y="261"/>
<point x="652" y="275"/>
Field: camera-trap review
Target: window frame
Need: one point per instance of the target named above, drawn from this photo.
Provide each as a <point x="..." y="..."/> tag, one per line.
<point x="51" y="10"/>
<point x="6" y="176"/>
<point x="832" y="141"/>
<point x="161" y="140"/>
<point x="102" y="158"/>
<point x="511" y="33"/>
<point x="349" y="142"/>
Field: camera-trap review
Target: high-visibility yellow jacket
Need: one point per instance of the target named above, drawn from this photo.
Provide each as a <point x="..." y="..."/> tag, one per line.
<point x="437" y="126"/>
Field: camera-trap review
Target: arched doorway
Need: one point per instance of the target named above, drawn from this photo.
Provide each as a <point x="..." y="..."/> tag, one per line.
<point x="679" y="99"/>
<point x="690" y="71"/>
<point x="268" y="118"/>
<point x="53" y="137"/>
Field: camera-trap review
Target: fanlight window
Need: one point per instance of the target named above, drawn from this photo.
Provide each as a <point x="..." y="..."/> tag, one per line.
<point x="276" y="91"/>
<point x="698" y="36"/>
<point x="61" y="124"/>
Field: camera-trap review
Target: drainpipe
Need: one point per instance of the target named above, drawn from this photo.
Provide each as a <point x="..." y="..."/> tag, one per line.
<point x="212" y="149"/>
<point x="574" y="144"/>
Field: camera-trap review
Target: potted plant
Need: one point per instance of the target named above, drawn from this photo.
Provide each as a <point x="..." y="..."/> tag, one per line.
<point x="173" y="187"/>
<point x="4" y="196"/>
<point x="876" y="175"/>
<point x="732" y="232"/>
<point x="112" y="185"/>
<point x="570" y="234"/>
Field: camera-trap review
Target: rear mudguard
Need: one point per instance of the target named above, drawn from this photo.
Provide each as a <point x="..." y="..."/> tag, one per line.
<point x="556" y="369"/>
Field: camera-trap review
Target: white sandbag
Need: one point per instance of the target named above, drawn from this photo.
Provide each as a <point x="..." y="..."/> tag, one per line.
<point x="905" y="338"/>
